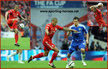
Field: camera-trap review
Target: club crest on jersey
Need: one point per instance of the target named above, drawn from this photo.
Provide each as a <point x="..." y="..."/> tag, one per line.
<point x="55" y="28"/>
<point x="79" y="29"/>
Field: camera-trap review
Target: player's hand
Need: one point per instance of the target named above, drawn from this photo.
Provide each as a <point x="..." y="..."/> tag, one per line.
<point x="15" y="19"/>
<point x="25" y="19"/>
<point x="74" y="30"/>
<point x="87" y="42"/>
<point x="6" y="19"/>
<point x="48" y="33"/>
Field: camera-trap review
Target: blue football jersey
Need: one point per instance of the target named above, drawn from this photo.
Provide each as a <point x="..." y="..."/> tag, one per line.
<point x="80" y="34"/>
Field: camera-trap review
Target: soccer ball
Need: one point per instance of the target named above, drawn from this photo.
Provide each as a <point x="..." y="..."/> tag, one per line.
<point x="21" y="25"/>
<point x="71" y="64"/>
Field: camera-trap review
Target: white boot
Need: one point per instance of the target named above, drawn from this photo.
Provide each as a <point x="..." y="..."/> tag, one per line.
<point x="19" y="58"/>
<point x="67" y="66"/>
<point x="20" y="62"/>
<point x="84" y="63"/>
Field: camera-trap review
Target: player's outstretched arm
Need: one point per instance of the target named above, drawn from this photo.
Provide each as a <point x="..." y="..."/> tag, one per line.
<point x="93" y="7"/>
<point x="6" y="14"/>
<point x="47" y="32"/>
<point x="23" y="18"/>
<point x="87" y="38"/>
<point x="19" y="15"/>
<point x="68" y="33"/>
<point x="67" y="29"/>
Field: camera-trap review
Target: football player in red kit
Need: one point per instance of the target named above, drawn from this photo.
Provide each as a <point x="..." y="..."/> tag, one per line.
<point x="50" y="29"/>
<point x="12" y="21"/>
<point x="98" y="14"/>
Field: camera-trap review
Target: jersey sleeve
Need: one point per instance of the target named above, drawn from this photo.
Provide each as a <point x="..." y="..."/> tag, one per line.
<point x="85" y="30"/>
<point x="47" y="26"/>
<point x="10" y="11"/>
<point x="19" y="14"/>
<point x="98" y="11"/>
<point x="59" y="27"/>
<point x="70" y="27"/>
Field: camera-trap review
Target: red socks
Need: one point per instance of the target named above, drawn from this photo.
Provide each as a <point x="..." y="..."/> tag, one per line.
<point x="16" y="38"/>
<point x="53" y="57"/>
<point x="42" y="54"/>
<point x="39" y="55"/>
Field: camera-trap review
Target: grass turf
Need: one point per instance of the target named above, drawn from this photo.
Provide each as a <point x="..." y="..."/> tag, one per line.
<point x="8" y="43"/>
<point x="58" y="64"/>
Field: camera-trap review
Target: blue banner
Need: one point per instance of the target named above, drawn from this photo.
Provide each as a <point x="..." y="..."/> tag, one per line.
<point x="90" y="55"/>
<point x="56" y="4"/>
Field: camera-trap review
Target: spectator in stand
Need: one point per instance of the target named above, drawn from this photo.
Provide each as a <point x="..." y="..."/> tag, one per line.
<point x="65" y="45"/>
<point x="98" y="47"/>
<point x="93" y="47"/>
<point x="37" y="46"/>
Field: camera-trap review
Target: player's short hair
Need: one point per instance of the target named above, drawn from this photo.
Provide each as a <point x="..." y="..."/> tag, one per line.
<point x="76" y="18"/>
<point x="100" y="4"/>
<point x="16" y="6"/>
<point x="53" y="19"/>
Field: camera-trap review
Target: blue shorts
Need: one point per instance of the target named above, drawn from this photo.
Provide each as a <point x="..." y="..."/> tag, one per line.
<point x="77" y="45"/>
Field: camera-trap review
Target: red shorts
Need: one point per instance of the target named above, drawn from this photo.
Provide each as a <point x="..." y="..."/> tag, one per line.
<point x="12" y="24"/>
<point x="102" y="23"/>
<point x="48" y="45"/>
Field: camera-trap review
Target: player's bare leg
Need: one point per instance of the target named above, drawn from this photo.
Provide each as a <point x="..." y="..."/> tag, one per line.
<point x="38" y="55"/>
<point x="19" y="56"/>
<point x="83" y="56"/>
<point x="68" y="58"/>
<point x="56" y="51"/>
<point x="13" y="54"/>
<point x="16" y="37"/>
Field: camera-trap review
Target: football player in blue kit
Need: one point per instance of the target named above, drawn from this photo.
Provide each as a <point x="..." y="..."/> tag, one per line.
<point x="78" y="40"/>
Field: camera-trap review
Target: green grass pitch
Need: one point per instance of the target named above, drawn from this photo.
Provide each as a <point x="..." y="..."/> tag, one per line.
<point x="58" y="64"/>
<point x="8" y="43"/>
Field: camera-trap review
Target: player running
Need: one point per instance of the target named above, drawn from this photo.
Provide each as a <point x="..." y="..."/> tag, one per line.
<point x="12" y="21"/>
<point x="50" y="29"/>
<point x="78" y="40"/>
<point x="98" y="14"/>
<point x="19" y="56"/>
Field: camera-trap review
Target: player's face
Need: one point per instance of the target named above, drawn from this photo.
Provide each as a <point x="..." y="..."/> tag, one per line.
<point x="16" y="8"/>
<point x="76" y="22"/>
<point x="100" y="6"/>
<point x="54" y="22"/>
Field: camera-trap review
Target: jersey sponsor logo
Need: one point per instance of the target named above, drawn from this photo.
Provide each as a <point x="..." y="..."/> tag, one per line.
<point x="53" y="30"/>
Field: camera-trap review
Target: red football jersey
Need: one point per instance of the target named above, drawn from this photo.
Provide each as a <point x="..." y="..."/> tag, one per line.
<point x="98" y="16"/>
<point x="52" y="29"/>
<point x="13" y="14"/>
